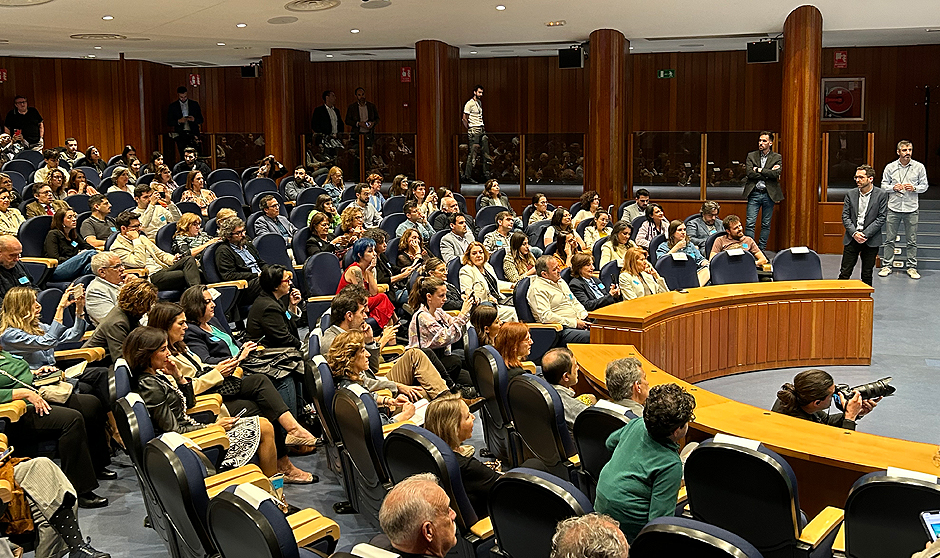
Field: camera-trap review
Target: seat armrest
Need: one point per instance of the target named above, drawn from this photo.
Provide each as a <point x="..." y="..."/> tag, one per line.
<point x="575" y="460"/>
<point x="483" y="528"/>
<point x="385" y="392"/>
<point x="91" y="354"/>
<point x="210" y="436"/>
<point x="138" y="271"/>
<point x="48" y="262"/>
<point x="384" y="368"/>
<point x="821" y="525"/>
<point x="382" y="288"/>
<point x="529" y="367"/>
<point x="13" y="410"/>
<point x="205" y="405"/>
<point x="209" y="397"/>
<point x="838" y="545"/>
<point x="250" y="474"/>
<point x="506" y="291"/>
<point x="390" y="427"/>
<point x="556" y="327"/>
<point x="239" y="284"/>
<point x="393" y="350"/>
<point x="309" y="526"/>
<point x="321" y="298"/>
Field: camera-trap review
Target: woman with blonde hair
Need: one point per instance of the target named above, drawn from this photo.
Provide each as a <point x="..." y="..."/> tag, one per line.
<point x="638" y="277"/>
<point x="513" y="343"/>
<point x="477" y="276"/>
<point x="334" y="185"/>
<point x="189" y="238"/>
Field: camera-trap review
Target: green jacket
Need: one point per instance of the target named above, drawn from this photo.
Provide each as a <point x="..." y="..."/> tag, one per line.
<point x="16" y="367"/>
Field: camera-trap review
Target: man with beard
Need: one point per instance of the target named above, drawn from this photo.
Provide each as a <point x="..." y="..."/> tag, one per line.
<point x="236" y="259"/>
<point x="737" y="239"/>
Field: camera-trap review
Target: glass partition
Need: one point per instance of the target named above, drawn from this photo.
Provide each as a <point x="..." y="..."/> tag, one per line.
<point x="236" y="151"/>
<point x="323" y="152"/>
<point x="846" y="150"/>
<point x="668" y="164"/>
<point x="391" y="155"/>
<point x="496" y="157"/>
<point x="554" y="164"/>
<point x="725" y="154"/>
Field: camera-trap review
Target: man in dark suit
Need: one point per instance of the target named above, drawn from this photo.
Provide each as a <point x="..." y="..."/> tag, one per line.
<point x="355" y="113"/>
<point x="237" y="259"/>
<point x="864" y="212"/>
<point x="185" y="117"/>
<point x="762" y="189"/>
<point x="326" y="119"/>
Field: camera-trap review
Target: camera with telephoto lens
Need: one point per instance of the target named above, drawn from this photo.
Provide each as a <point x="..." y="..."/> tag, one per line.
<point x="871" y="390"/>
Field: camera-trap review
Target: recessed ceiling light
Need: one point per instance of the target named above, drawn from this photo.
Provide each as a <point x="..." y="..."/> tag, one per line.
<point x="220" y="44"/>
<point x="329" y="56"/>
<point x="500" y="7"/>
<point x="107" y="17"/>
<point x="97" y="48"/>
<point x="473" y="52"/>
<point x="353" y="31"/>
<point x="240" y="25"/>
<point x="558" y="23"/>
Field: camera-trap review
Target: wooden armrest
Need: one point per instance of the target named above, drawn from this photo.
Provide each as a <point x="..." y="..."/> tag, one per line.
<point x="310" y="526"/>
<point x="482" y="528"/>
<point x="210" y="436"/>
<point x="385" y="392"/>
<point x="322" y="298"/>
<point x="87" y="335"/>
<point x="384" y="368"/>
<point x="48" y="262"/>
<point x="556" y="327"/>
<point x="393" y="350"/>
<point x="13" y="410"/>
<point x="506" y="291"/>
<point x="6" y="491"/>
<point x="290" y="202"/>
<point x="204" y="406"/>
<point x="91" y="354"/>
<point x="299" y="267"/>
<point x="529" y="367"/>
<point x="821" y="525"/>
<point x="454" y="313"/>
<point x="250" y="474"/>
<point x="209" y="397"/>
<point x="239" y="284"/>
<point x="838" y="545"/>
<point x="382" y="287"/>
<point x="138" y="271"/>
<point x="389" y="427"/>
<point x="238" y="372"/>
<point x="575" y="460"/>
<point x="683" y="494"/>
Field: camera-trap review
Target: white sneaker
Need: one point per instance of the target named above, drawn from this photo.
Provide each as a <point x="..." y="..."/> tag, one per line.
<point x="913" y="273"/>
<point x="885" y="271"/>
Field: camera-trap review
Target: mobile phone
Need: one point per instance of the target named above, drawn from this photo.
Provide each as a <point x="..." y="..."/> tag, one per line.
<point x="931" y="522"/>
<point x="239" y="414"/>
<point x="6" y="454"/>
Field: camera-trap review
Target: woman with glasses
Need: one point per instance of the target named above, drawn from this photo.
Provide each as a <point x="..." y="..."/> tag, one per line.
<point x="10" y="217"/>
<point x="189" y="238"/>
<point x="590" y="203"/>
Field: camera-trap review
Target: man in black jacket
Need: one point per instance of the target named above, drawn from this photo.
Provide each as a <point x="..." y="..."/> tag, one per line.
<point x="236" y="259"/>
<point x="12" y="271"/>
<point x="185" y="117"/>
<point x="762" y="189"/>
<point x="362" y="115"/>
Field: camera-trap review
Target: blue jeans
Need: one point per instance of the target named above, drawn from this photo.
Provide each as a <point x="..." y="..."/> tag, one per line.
<point x="759" y="200"/>
<point x="74" y="267"/>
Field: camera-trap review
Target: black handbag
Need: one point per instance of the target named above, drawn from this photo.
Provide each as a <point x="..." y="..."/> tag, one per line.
<point x="275" y="363"/>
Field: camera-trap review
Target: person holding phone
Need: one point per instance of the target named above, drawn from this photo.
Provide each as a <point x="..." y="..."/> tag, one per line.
<point x="434" y="329"/>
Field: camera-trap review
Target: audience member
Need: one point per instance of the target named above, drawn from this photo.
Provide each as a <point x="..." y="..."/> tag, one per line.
<point x="485" y="321"/>
<point x="641" y="481"/>
<point x="362" y="274"/>
<point x="185" y="117"/>
<point x="205" y="335"/>
<point x="478" y="277"/>
<point x="417" y="518"/>
<point x="362" y="115"/>
<point x="627" y="385"/>
<point x="371" y="217"/>
<point x="737" y="239"/>
<point x="513" y="342"/>
<point x="165" y="179"/>
<point x="449" y="206"/>
<point x="638" y="276"/>
<point x="560" y="368"/>
<point x="64" y="245"/>
<point x="811" y="394"/>
<point x="589" y="536"/>
<point x="275" y="314"/>
<point x="128" y="153"/>
<point x="617" y="244"/>
<point x="864" y="210"/>
<point x="325" y="205"/>
<point x="590" y="204"/>
<point x="6" y="185"/>
<point x="705" y="225"/>
<point x="410" y="249"/>
<point x="196" y="192"/>
<point x="634" y="210"/>
<point x="153" y="211"/>
<point x="561" y="221"/>
<point x="121" y="181"/>
<point x="551" y="301"/>
<point x="433" y="329"/>
<point x="424" y="200"/>
<point x="10" y="217"/>
<point x="237" y="259"/>
<point x="102" y="293"/>
<point x="45" y="203"/>
<point x="654" y="225"/>
<point x="136" y="250"/>
<point x="98" y="227"/>
<point x="156" y="161"/>
<point x="455" y="243"/>
<point x="376" y="199"/>
<point x="297" y="184"/>
<point x="334" y="185"/>
<point x="565" y="247"/>
<point x="51" y="158"/>
<point x="133" y="167"/>
<point x="71" y="154"/>
<point x="271" y="220"/>
<point x="326" y="119"/>
<point x="399" y="186"/>
<point x="598" y="229"/>
<point x="191" y="163"/>
<point x="135" y="299"/>
<point x="435" y="267"/>
<point x="519" y="261"/>
<point x="24" y="122"/>
<point x="93" y="159"/>
<point x="12" y="271"/>
<point x="270" y="167"/>
<point x="9" y="148"/>
<point x="189" y="239"/>
<point x="499" y="238"/>
<point x="22" y="333"/>
<point x="492" y="196"/>
<point x="762" y="188"/>
<point x="319" y="235"/>
<point x="587" y="289"/>
<point x="415" y="220"/>
<point x="77" y="183"/>
<point x="540" y="209"/>
<point x="677" y="241"/>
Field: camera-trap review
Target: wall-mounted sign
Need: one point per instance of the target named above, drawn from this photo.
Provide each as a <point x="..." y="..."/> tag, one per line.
<point x="665" y="74"/>
<point x="195" y="80"/>
<point x="406" y="74"/>
<point x="841" y="59"/>
<point x="843" y="99"/>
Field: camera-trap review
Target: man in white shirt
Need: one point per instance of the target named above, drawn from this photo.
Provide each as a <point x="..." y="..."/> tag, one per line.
<point x="904" y="180"/>
<point x="102" y="294"/>
<point x="168" y="273"/>
<point x="455" y="243"/>
<point x="552" y="302"/>
<point x="560" y="368"/>
<point x="476" y="135"/>
<point x="51" y="157"/>
<point x="153" y="211"/>
<point x="371" y="218"/>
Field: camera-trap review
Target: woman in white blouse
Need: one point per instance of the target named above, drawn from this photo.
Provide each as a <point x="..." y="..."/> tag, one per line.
<point x="638" y="277"/>
<point x="478" y="277"/>
<point x="597" y="230"/>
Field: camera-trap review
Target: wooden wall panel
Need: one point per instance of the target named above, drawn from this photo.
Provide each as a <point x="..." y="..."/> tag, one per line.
<point x="229" y="102"/>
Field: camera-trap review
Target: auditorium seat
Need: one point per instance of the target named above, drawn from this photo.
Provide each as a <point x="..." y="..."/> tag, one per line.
<point x="635" y="226"/>
<point x="679" y="536"/>
<point x="219" y="175"/>
<point x="229" y="202"/>
<point x="497" y="259"/>
<point x="610" y="273"/>
<point x="487" y="215"/>
<point x="21" y="166"/>
<point x="491" y="380"/>
<point x="727" y="268"/>
<point x="19" y="180"/>
<point x="710" y="241"/>
<point x="298" y="244"/>
<point x="591" y="430"/>
<point x="550" y="249"/>
<point x="390" y="223"/>
<point x="34" y="157"/>
<point x="485" y="230"/>
<point x="164" y="239"/>
<point x="228" y="188"/>
<point x="678" y="273"/>
<point x="300" y="213"/>
<point x="453" y="272"/>
<point x="394" y="204"/>
<point x="583" y="225"/>
<point x="596" y="250"/>
<point x="189" y="207"/>
<point x="78" y="202"/>
<point x="121" y="201"/>
<point x="256" y="186"/>
<point x="654" y="246"/>
<point x="255" y="205"/>
<point x="802" y="265"/>
<point x="91" y="175"/>
<point x="274" y="248"/>
<point x="250" y="224"/>
<point x="435" y="244"/>
<point x="309" y="195"/>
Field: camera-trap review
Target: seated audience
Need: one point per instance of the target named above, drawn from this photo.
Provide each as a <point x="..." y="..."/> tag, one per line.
<point x="237" y="259"/>
<point x="615" y="248"/>
<point x="634" y="210"/>
<point x="56" y="180"/>
<point x="71" y="154"/>
<point x="455" y="243"/>
<point x="376" y="199"/>
<point x="499" y="238"/>
<point x="205" y="335"/>
<point x="98" y="227"/>
<point x="271" y="220"/>
<point x="641" y="481"/>
<point x="12" y="271"/>
<point x="587" y="289"/>
<point x="153" y="211"/>
<point x="705" y="225"/>
<point x="371" y="217"/>
<point x="627" y="385"/>
<point x="560" y="368"/>
<point x="561" y="221"/>
<point x="133" y="166"/>
<point x="121" y="181"/>
<point x="478" y="277"/>
<point x="136" y="250"/>
<point x="191" y="163"/>
<point x="519" y="261"/>
<point x="156" y="161"/>
<point x="399" y="186"/>
<point x="388" y="273"/>
<point x="485" y="321"/>
<point x="810" y="396"/>
<point x="677" y="241"/>
<point x="51" y="160"/>
<point x="275" y="314"/>
<point x="638" y="276"/>
<point x="654" y="225"/>
<point x="432" y="328"/>
<point x="552" y="302"/>
<point x="334" y="185"/>
<point x="351" y="223"/>
<point x="589" y="536"/>
<point x="417" y="518"/>
<point x="320" y="232"/>
<point x="168" y="394"/>
<point x="23" y="335"/>
<point x="135" y="299"/>
<point x="78" y="184"/>
<point x="10" y="147"/>
<point x="189" y="238"/>
<point x="492" y="196"/>
<point x="127" y="154"/>
<point x="269" y="167"/>
<point x="436" y="268"/>
<point x="540" y="209"/>
<point x="737" y="239"/>
<point x="164" y="177"/>
<point x="362" y="274"/>
<point x="590" y="204"/>
<point x="297" y="184"/>
<point x="10" y="217"/>
<point x="45" y="204"/>
<point x="102" y="293"/>
<point x="449" y="418"/>
<point x="411" y="250"/>
<point x="414" y="219"/>
<point x="6" y="185"/>
<point x="565" y="247"/>
<point x="598" y="229"/>
<point x="513" y="343"/>
<point x="93" y="159"/>
<point x="427" y="202"/>
<point x="196" y="192"/>
<point x="64" y="245"/>
<point x="449" y="206"/>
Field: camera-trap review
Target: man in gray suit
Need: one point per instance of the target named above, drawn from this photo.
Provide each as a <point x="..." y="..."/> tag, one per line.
<point x="762" y="189"/>
<point x="864" y="212"/>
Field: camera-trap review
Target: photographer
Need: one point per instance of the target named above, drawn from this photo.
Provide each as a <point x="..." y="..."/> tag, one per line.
<point x="809" y="398"/>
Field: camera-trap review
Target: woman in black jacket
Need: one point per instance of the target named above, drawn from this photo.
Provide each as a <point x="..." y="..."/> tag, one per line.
<point x="65" y="245"/>
<point x="590" y="292"/>
<point x="319" y="235"/>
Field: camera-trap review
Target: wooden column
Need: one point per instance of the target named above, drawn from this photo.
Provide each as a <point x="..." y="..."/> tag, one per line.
<point x="439" y="112"/>
<point x="283" y="74"/>
<point x="800" y="143"/>
<point x="608" y="121"/>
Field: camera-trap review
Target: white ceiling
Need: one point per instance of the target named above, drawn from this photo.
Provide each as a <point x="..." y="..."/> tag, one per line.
<point x="173" y="31"/>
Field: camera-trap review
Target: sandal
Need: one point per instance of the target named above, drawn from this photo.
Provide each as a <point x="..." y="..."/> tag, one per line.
<point x="297" y="476"/>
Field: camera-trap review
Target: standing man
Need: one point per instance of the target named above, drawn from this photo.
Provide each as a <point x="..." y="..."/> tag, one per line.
<point x="904" y="180"/>
<point x="24" y="123"/>
<point x="473" y="122"/>
<point x="326" y="122"/>
<point x="361" y="116"/>
<point x="762" y="189"/>
<point x="185" y="117"/>
<point x="864" y="212"/>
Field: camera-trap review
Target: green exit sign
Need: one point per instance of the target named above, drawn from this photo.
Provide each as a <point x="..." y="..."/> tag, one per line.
<point x="666" y="74"/>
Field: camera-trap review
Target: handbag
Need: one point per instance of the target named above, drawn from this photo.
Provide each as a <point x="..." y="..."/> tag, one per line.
<point x="53" y="392"/>
<point x="276" y="363"/>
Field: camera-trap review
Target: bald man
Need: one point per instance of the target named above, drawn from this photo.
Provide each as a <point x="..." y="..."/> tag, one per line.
<point x="417" y="518"/>
<point x="12" y="271"/>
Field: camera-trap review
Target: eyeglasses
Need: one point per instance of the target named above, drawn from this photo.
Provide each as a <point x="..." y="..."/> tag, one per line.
<point x="118" y="267"/>
<point x="238" y="233"/>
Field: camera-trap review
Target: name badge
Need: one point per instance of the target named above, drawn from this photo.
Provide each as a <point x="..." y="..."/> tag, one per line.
<point x="286" y="313"/>
<point x="23" y="280"/>
<point x="214" y="338"/>
<point x="744" y="246"/>
<point x="73" y="243"/>
<point x="113" y="229"/>
<point x="163" y="218"/>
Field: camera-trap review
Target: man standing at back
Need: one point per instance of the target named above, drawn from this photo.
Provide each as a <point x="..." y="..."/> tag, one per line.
<point x="476" y="135"/>
<point x="904" y="180"/>
<point x="24" y="123"/>
<point x="864" y="212"/>
<point x="762" y="189"/>
<point x="185" y="117"/>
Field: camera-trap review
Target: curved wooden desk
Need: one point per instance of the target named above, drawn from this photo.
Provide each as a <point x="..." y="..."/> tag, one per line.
<point x="827" y="460"/>
<point x="715" y="331"/>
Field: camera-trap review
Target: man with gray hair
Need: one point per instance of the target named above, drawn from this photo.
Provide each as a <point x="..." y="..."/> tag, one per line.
<point x="627" y="385"/>
<point x="552" y="302"/>
<point x="12" y="271"/>
<point x="593" y="535"/>
<point x="417" y="518"/>
<point x="102" y="294"/>
<point x="236" y="259"/>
